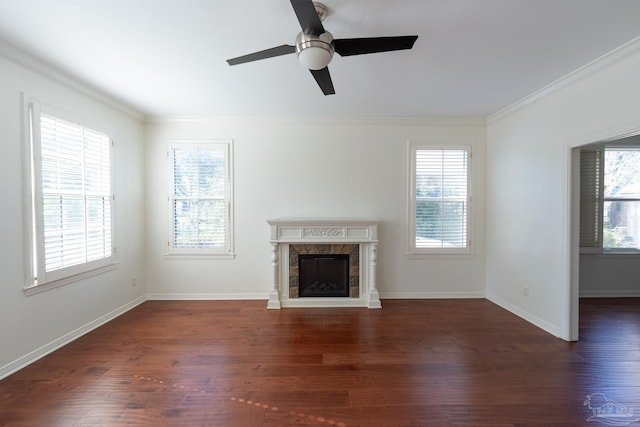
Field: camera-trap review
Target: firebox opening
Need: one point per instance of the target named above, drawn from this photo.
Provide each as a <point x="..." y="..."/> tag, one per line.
<point x="323" y="275"/>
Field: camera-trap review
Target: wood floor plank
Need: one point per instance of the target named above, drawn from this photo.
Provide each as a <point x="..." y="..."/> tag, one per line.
<point x="413" y="363"/>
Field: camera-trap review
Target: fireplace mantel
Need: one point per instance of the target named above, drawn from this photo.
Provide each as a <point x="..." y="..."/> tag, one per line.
<point x="287" y="231"/>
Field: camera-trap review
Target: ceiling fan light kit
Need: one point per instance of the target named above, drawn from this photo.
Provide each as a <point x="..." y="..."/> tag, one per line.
<point x="315" y="46"/>
<point x="314" y="52"/>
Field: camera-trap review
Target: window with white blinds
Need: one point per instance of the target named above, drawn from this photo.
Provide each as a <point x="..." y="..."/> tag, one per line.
<point x="591" y="180"/>
<point x="439" y="199"/>
<point x="200" y="199"/>
<point x="71" y="198"/>
<point x="610" y="199"/>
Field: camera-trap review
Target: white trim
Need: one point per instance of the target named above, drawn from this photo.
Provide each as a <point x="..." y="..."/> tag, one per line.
<point x="570" y="323"/>
<point x="205" y="296"/>
<point x="356" y="121"/>
<point x="46" y="349"/>
<point x="207" y="256"/>
<point x="453" y="255"/>
<point x="32" y="110"/>
<point x="50" y="71"/>
<point x="433" y="295"/>
<point x="412" y="250"/>
<point x="610" y="58"/>
<point x="570" y="320"/>
<point x="226" y="252"/>
<point x="615" y="131"/>
<point x="287" y="231"/>
<point x="28" y="180"/>
<point x="531" y="318"/>
<point x="36" y="289"/>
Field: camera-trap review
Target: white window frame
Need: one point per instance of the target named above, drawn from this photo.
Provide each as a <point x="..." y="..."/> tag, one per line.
<point x="592" y="216"/>
<point x="413" y="250"/>
<point x="223" y="252"/>
<point x="37" y="278"/>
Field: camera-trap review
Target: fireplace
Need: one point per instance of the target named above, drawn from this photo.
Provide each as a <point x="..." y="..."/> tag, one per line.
<point x="341" y="263"/>
<point x="323" y="263"/>
<point x="323" y="276"/>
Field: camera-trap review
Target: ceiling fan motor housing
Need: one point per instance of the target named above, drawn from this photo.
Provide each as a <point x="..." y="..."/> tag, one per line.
<point x="314" y="52"/>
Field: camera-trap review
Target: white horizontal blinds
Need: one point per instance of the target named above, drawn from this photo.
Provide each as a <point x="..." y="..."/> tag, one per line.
<point x="199" y="197"/>
<point x="591" y="170"/>
<point x="441" y="209"/>
<point x="621" y="205"/>
<point x="98" y="198"/>
<point x="76" y="193"/>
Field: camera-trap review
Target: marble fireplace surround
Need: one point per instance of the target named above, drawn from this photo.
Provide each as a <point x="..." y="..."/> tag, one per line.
<point x="317" y="234"/>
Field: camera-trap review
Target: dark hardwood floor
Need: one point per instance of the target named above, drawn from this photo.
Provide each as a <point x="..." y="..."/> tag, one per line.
<point x="413" y="363"/>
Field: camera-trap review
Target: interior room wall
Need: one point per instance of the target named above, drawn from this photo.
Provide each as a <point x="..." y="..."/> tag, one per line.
<point x="609" y="275"/>
<point x="31" y="326"/>
<point x="322" y="168"/>
<point x="528" y="182"/>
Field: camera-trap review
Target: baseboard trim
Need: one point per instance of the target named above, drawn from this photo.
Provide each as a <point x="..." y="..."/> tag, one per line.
<point x="206" y="296"/>
<point x="531" y="318"/>
<point x="35" y="355"/>
<point x="633" y="293"/>
<point x="313" y="301"/>
<point x="432" y="295"/>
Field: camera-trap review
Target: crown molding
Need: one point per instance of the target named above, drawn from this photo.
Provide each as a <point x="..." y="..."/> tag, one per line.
<point x="610" y="58"/>
<point x="355" y="121"/>
<point x="48" y="70"/>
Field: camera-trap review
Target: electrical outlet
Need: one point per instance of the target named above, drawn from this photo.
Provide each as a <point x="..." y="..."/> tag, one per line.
<point x="133" y="281"/>
<point x="525" y="291"/>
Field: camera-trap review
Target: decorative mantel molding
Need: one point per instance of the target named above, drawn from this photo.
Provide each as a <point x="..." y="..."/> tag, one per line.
<point x="286" y="231"/>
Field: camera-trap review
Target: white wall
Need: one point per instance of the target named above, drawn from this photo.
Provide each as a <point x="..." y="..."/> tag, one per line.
<point x="31" y="326"/>
<point x="528" y="151"/>
<point x="312" y="168"/>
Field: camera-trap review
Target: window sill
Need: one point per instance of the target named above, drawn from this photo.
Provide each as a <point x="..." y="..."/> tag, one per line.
<point x="36" y="289"/>
<point x="440" y="255"/>
<point x="611" y="255"/>
<point x="174" y="257"/>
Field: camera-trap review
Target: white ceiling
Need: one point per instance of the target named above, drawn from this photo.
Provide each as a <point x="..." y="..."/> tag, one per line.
<point x="167" y="57"/>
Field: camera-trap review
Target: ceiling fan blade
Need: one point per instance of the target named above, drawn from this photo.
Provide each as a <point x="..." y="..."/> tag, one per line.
<point x="263" y="54"/>
<point x="308" y="17"/>
<point x="323" y="78"/>
<point x="360" y="46"/>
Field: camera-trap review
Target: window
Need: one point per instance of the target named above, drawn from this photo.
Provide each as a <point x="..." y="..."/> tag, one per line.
<point x="610" y="199"/>
<point x="200" y="199"/>
<point x="70" y="198"/>
<point x="439" y="199"/>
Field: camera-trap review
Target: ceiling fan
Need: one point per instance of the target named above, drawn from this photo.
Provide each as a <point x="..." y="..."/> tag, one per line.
<point x="315" y="46"/>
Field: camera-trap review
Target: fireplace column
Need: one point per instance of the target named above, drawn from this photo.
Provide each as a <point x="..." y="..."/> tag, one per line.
<point x="274" y="296"/>
<point x="374" y="297"/>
